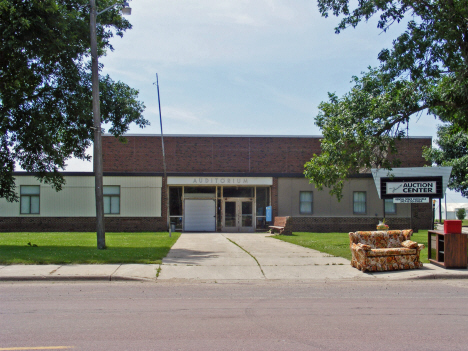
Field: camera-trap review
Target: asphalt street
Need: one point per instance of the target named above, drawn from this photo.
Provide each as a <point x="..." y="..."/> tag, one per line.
<point x="254" y="315"/>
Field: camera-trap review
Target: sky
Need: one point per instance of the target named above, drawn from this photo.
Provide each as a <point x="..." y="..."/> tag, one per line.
<point x="242" y="67"/>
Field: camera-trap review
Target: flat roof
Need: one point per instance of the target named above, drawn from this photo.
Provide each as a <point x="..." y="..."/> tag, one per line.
<point x="242" y="136"/>
<point x="185" y="174"/>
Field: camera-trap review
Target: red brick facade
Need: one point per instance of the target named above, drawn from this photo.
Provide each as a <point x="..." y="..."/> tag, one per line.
<point x="344" y="224"/>
<point x="226" y="154"/>
<point x="266" y="155"/>
<point x="81" y="224"/>
<point x="352" y="224"/>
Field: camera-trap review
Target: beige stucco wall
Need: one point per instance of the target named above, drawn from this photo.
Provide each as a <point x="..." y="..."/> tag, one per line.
<point x="139" y="197"/>
<point x="326" y="205"/>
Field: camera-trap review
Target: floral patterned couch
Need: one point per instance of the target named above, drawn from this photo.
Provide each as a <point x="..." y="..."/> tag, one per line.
<point x="384" y="250"/>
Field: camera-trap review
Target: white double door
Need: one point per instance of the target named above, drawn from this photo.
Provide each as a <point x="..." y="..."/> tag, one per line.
<point x="238" y="215"/>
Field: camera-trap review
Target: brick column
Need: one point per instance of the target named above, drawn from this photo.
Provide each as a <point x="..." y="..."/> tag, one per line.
<point x="422" y="216"/>
<point x="274" y="197"/>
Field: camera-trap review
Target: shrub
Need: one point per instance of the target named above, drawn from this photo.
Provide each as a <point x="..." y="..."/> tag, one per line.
<point x="461" y="213"/>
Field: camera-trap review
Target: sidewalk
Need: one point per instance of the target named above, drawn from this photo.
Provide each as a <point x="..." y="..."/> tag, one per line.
<point x="227" y="257"/>
<point x="79" y="272"/>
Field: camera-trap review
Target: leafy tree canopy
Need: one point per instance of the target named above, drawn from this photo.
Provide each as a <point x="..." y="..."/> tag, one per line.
<point x="452" y="151"/>
<point x="426" y="71"/>
<point x="45" y="86"/>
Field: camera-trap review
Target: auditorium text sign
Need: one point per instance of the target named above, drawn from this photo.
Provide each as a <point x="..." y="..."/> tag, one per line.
<point x="226" y="181"/>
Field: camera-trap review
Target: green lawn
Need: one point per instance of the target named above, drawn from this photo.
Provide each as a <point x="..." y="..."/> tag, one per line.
<point x="337" y="244"/>
<point x="69" y="248"/>
<point x="464" y="222"/>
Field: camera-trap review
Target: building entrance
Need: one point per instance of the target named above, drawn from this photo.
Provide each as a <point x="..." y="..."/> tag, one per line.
<point x="228" y="204"/>
<point x="238" y="215"/>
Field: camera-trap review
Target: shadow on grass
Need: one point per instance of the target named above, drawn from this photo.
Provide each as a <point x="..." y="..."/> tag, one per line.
<point x="15" y="254"/>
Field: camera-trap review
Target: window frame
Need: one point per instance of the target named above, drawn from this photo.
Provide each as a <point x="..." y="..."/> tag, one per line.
<point x="110" y="202"/>
<point x="311" y="202"/>
<point x="28" y="197"/>
<point x="365" y="203"/>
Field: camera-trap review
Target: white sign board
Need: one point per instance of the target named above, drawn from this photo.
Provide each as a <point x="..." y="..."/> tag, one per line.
<point x="410" y="200"/>
<point x="226" y="181"/>
<point x="382" y="176"/>
<point x="411" y="188"/>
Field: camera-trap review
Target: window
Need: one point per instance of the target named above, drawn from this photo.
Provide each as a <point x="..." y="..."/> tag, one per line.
<point x="29" y="199"/>
<point x="238" y="191"/>
<point x="111" y="199"/>
<point x="175" y="201"/>
<point x="305" y="202"/>
<point x="359" y="202"/>
<point x="175" y="207"/>
<point x="390" y="207"/>
<point x="263" y="200"/>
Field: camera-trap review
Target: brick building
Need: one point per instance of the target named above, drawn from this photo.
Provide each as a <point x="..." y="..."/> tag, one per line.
<point x="214" y="183"/>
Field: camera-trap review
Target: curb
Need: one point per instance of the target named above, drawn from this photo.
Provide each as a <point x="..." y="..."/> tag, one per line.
<point x="136" y="279"/>
<point x="443" y="276"/>
<point x="70" y="278"/>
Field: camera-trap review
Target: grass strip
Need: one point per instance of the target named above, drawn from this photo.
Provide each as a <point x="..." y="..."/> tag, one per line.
<point x="337" y="244"/>
<point x="240" y="247"/>
<point x="464" y="222"/>
<point x="80" y="248"/>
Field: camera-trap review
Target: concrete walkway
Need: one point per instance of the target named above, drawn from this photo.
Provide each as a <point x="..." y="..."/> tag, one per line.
<point x="223" y="256"/>
<point x="227" y="257"/>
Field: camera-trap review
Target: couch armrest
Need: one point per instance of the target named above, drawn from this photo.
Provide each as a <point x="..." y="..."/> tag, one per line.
<point x="420" y="247"/>
<point x="409" y="244"/>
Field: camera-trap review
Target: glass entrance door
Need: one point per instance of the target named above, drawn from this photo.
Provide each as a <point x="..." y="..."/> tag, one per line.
<point x="230" y="215"/>
<point x="246" y="220"/>
<point x="238" y="216"/>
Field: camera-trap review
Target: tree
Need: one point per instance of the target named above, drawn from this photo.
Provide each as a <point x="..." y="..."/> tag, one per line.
<point x="426" y="71"/>
<point x="45" y="87"/>
<point x="461" y="213"/>
<point x="452" y="151"/>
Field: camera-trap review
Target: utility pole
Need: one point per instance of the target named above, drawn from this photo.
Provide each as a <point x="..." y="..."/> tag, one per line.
<point x="166" y="190"/>
<point x="97" y="157"/>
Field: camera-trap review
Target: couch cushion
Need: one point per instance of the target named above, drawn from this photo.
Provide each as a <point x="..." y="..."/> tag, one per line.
<point x="395" y="239"/>
<point x="381" y="239"/>
<point x="391" y="252"/>
<point x="376" y="240"/>
<point x="360" y="246"/>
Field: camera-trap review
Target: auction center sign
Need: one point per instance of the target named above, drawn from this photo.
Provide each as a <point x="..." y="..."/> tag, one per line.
<point x="411" y="188"/>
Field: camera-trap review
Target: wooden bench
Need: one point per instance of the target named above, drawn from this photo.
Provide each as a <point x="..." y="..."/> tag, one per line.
<point x="282" y="225"/>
